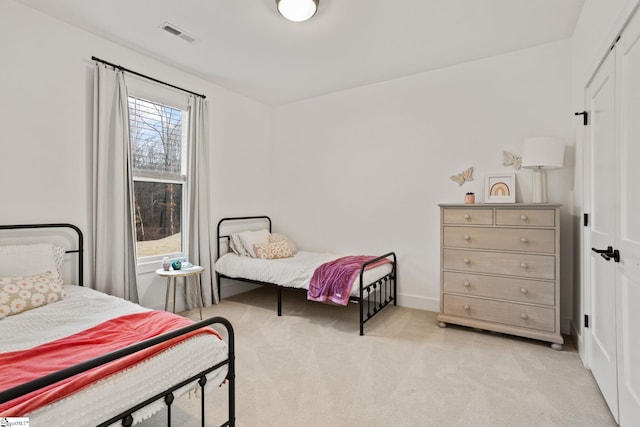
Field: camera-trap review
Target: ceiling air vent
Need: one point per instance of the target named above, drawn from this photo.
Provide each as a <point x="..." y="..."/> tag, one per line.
<point x="172" y="29"/>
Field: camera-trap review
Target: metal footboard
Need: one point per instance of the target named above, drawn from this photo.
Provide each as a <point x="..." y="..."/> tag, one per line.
<point x="126" y="417"/>
<point x="375" y="296"/>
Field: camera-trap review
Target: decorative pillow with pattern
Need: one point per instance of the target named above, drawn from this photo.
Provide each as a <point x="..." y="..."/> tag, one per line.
<point x="22" y="293"/>
<point x="251" y="238"/>
<point x="272" y="250"/>
<point x="279" y="237"/>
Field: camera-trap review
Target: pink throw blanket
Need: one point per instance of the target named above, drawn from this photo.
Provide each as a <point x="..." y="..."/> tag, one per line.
<point x="19" y="367"/>
<point x="333" y="280"/>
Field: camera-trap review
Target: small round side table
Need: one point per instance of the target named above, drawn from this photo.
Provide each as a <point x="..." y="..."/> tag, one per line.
<point x="185" y="273"/>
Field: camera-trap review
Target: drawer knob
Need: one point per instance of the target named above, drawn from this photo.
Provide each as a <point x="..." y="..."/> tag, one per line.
<point x="467" y="216"/>
<point x="524" y="316"/>
<point x="524" y="291"/>
<point x="467" y="261"/>
<point x="466" y="307"/>
<point x="523" y="217"/>
<point x="466" y="284"/>
<point x="467" y="237"/>
<point x="524" y="240"/>
<point x="524" y="265"/>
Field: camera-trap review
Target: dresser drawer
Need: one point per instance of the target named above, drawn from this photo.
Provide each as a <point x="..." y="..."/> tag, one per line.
<point x="506" y="288"/>
<point x="526" y="217"/>
<point x="512" y="264"/>
<point x="509" y="239"/>
<point x="469" y="216"/>
<point x="521" y="315"/>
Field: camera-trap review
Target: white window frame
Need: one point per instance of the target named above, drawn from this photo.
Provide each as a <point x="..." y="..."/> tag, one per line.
<point x="175" y="99"/>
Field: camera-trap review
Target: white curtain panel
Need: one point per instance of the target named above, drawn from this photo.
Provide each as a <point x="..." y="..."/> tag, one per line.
<point x="114" y="249"/>
<point x="200" y="243"/>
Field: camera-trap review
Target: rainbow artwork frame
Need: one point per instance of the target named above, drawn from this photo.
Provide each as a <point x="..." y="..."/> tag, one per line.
<point x="500" y="188"/>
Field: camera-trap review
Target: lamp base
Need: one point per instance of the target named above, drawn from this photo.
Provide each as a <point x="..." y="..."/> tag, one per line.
<point x="539" y="186"/>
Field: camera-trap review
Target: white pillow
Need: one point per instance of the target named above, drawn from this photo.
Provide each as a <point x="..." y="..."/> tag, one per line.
<point x="58" y="256"/>
<point x="250" y="238"/>
<point x="236" y="245"/>
<point x="27" y="260"/>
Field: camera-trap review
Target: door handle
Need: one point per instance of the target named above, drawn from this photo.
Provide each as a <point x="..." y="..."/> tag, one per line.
<point x="608" y="253"/>
<point x="603" y="251"/>
<point x="615" y="255"/>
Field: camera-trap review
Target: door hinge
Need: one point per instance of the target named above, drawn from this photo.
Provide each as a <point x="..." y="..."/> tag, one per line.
<point x="614" y="43"/>
<point x="585" y="117"/>
<point x="586" y="320"/>
<point x="585" y="219"/>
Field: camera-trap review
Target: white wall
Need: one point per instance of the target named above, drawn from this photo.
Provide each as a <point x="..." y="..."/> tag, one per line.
<point x="356" y="171"/>
<point x="46" y="114"/>
<point x="599" y="25"/>
<point x="363" y="170"/>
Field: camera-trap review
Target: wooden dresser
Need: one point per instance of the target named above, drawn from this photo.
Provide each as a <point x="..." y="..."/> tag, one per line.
<point x="500" y="269"/>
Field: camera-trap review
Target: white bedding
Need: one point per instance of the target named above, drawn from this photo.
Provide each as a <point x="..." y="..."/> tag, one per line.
<point x="82" y="309"/>
<point x="293" y="272"/>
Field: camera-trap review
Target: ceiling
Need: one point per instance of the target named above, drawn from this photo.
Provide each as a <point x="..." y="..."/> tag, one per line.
<point x="245" y="46"/>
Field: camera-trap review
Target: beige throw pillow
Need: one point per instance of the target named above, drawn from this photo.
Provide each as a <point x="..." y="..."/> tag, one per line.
<point x="279" y="237"/>
<point x="22" y="293"/>
<point x="272" y="250"/>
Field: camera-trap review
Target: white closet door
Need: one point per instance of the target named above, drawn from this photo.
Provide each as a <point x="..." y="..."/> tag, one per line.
<point x="628" y="229"/>
<point x="600" y="200"/>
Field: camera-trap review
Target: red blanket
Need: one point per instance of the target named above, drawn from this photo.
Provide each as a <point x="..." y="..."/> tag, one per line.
<point x="333" y="280"/>
<point x="18" y="367"/>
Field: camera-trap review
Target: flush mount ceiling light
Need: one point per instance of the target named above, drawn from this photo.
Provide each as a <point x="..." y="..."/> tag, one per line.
<point x="297" y="10"/>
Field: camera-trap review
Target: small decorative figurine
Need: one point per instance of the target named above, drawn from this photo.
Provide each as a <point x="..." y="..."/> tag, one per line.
<point x="464" y="176"/>
<point x="166" y="264"/>
<point x="469" y="198"/>
<point x="177" y="264"/>
<point x="510" y="159"/>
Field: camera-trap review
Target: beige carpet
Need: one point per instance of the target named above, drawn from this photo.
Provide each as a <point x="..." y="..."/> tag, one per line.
<point x="311" y="368"/>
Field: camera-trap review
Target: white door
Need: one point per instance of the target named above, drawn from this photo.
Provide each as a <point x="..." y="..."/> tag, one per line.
<point x="628" y="228"/>
<point x="600" y="203"/>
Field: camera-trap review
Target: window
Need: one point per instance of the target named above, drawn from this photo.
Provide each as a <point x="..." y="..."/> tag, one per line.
<point x="159" y="157"/>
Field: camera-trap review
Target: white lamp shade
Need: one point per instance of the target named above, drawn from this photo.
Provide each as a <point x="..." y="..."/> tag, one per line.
<point x="297" y="10"/>
<point x="542" y="152"/>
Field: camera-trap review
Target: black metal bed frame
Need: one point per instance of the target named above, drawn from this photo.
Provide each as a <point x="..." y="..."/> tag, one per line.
<point x="126" y="417"/>
<point x="372" y="297"/>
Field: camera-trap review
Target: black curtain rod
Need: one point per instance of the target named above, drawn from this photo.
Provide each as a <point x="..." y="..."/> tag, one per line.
<point x="121" y="68"/>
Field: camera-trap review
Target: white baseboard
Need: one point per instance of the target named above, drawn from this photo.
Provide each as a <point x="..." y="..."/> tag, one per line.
<point x="421" y="303"/>
<point x="229" y="288"/>
<point x="578" y="340"/>
<point x="565" y="326"/>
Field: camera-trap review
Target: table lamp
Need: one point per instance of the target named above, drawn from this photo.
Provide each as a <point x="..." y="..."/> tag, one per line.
<point x="539" y="154"/>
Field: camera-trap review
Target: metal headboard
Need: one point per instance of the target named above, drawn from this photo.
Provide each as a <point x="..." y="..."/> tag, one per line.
<point x="231" y="219"/>
<point x="79" y="251"/>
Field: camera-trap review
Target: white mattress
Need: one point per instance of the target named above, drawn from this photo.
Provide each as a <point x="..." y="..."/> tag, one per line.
<point x="82" y="309"/>
<point x="293" y="272"/>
